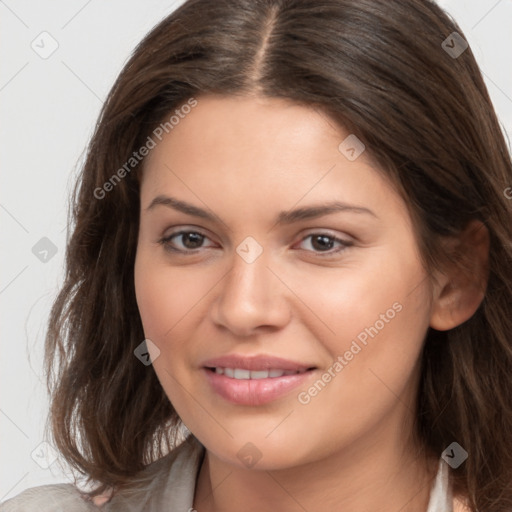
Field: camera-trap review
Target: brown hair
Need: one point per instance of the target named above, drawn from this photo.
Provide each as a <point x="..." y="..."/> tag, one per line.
<point x="425" y="116"/>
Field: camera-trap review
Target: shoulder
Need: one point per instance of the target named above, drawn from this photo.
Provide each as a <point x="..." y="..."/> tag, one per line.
<point x="166" y="484"/>
<point x="49" y="498"/>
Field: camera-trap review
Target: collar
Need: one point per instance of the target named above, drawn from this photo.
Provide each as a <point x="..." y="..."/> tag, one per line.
<point x="441" y="498"/>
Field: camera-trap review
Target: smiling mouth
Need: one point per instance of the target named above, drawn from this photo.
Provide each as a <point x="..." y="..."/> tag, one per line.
<point x="242" y="374"/>
<point x="241" y="386"/>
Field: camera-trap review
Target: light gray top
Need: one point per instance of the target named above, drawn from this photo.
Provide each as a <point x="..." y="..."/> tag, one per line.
<point x="167" y="485"/>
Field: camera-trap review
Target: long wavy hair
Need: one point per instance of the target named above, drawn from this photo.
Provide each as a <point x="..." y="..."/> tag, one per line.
<point x="378" y="67"/>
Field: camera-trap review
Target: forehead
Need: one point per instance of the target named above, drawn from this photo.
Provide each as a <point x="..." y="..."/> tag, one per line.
<point x="248" y="127"/>
<point x="263" y="150"/>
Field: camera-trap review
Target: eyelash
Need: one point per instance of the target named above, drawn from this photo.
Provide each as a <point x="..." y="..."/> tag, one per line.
<point x="166" y="243"/>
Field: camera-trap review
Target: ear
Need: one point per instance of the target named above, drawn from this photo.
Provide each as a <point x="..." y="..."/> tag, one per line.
<point x="460" y="288"/>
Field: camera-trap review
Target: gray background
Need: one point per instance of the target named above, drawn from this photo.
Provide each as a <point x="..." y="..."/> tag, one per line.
<point x="49" y="107"/>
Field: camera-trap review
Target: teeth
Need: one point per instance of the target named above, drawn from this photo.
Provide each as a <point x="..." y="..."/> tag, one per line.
<point x="262" y="374"/>
<point x="241" y="374"/>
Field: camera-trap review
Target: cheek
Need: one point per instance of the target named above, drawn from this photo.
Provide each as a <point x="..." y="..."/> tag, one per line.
<point x="164" y="295"/>
<point x="341" y="303"/>
<point x="153" y="301"/>
<point x="165" y="299"/>
<point x="375" y="317"/>
<point x="379" y="322"/>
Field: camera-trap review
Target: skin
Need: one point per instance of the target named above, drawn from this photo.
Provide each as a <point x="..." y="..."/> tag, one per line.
<point x="350" y="448"/>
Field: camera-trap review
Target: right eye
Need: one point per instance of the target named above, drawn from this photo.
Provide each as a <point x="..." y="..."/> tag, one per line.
<point x="189" y="241"/>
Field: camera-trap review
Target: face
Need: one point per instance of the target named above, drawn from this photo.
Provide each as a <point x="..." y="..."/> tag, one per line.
<point x="256" y="268"/>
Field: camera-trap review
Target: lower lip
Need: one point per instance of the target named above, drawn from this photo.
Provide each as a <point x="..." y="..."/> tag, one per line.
<point x="254" y="391"/>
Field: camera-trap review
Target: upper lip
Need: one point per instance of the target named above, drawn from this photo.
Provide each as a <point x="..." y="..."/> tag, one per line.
<point x="255" y="363"/>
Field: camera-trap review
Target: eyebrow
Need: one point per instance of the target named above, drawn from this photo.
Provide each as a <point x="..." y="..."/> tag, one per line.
<point x="284" y="217"/>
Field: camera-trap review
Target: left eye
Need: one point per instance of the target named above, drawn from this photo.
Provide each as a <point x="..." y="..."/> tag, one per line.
<point x="323" y="243"/>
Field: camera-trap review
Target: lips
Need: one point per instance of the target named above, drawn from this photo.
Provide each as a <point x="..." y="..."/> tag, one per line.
<point x="254" y="380"/>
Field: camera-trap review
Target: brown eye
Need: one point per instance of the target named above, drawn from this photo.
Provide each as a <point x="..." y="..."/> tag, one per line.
<point x="186" y="241"/>
<point x="323" y="243"/>
<point x="191" y="240"/>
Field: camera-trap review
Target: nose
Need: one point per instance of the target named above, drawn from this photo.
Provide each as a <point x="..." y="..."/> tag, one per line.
<point x="251" y="298"/>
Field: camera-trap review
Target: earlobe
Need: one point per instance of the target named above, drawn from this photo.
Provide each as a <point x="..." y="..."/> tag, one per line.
<point x="461" y="288"/>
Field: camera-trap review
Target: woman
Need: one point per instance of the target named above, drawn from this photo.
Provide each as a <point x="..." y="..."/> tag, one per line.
<point x="292" y="235"/>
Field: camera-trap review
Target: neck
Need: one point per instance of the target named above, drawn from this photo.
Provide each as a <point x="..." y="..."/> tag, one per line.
<point x="380" y="476"/>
